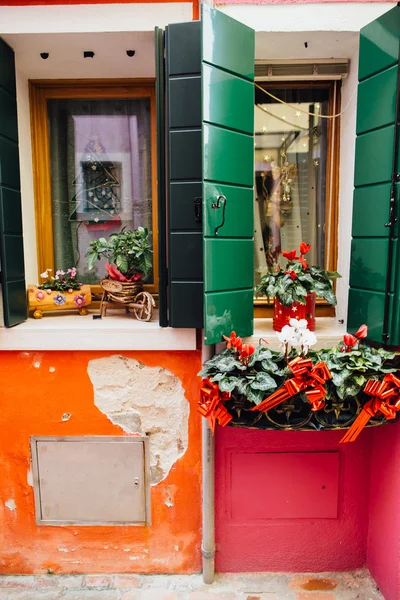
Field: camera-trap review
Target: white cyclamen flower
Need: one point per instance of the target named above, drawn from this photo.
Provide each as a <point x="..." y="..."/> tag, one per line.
<point x="44" y="275"/>
<point x="288" y="335"/>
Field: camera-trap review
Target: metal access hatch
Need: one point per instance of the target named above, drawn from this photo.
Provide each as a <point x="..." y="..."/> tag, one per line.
<point x="91" y="480"/>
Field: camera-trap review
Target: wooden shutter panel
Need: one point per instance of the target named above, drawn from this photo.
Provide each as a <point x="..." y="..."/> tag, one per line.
<point x="209" y="162"/>
<point x="11" y="242"/>
<point x="228" y="174"/>
<point x="374" y="296"/>
<point x="183" y="92"/>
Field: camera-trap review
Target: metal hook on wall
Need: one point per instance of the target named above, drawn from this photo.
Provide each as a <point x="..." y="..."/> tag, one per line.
<point x="221" y="200"/>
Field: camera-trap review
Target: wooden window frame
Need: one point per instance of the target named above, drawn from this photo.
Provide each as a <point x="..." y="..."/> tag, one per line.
<point x="40" y="91"/>
<point x="262" y="307"/>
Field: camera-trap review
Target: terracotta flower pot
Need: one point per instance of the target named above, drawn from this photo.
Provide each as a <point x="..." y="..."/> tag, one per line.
<point x="283" y="314"/>
<point x="41" y="301"/>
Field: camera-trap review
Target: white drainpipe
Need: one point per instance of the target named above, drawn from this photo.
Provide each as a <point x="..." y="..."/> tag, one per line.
<point x="208" y="447"/>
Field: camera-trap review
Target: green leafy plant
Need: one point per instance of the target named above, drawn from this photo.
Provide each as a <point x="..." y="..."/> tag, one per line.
<point x="60" y="282"/>
<point x="352" y="363"/>
<point x="256" y="372"/>
<point x="128" y="252"/>
<point x="297" y="280"/>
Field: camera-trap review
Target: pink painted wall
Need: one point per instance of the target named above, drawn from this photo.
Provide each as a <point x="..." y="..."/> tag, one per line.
<point x="383" y="556"/>
<point x="326" y="485"/>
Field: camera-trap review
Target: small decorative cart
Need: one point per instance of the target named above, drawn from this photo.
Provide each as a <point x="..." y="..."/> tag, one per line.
<point x="128" y="295"/>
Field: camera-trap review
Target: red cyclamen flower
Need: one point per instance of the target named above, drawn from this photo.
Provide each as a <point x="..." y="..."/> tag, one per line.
<point x="303" y="263"/>
<point x="292" y="274"/>
<point x="304" y="248"/>
<point x="350" y="341"/>
<point x="246" y="351"/>
<point x="289" y="255"/>
<point x="233" y="341"/>
<point x="362" y="332"/>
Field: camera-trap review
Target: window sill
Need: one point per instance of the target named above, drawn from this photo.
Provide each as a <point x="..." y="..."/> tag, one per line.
<point x="328" y="331"/>
<point x="115" y="332"/>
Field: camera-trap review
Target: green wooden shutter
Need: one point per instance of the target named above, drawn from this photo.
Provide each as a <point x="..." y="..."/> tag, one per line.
<point x="161" y="191"/>
<point x="210" y="152"/>
<point x="228" y="174"/>
<point x="11" y="242"/>
<point x="374" y="296"/>
<point x="183" y="99"/>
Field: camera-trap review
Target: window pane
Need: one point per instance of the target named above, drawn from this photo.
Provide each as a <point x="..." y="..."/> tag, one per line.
<point x="100" y="159"/>
<point x="290" y="173"/>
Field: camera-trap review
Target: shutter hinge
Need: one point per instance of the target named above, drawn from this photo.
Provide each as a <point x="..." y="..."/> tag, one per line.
<point x="385" y="337"/>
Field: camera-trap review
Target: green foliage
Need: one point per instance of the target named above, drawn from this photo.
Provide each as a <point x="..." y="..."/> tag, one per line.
<point x="307" y="279"/>
<point x="258" y="379"/>
<point x="60" y="283"/>
<point x="130" y="251"/>
<point x="351" y="369"/>
<point x="267" y="370"/>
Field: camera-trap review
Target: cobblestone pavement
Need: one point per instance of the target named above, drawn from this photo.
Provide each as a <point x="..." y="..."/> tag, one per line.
<point x="356" y="585"/>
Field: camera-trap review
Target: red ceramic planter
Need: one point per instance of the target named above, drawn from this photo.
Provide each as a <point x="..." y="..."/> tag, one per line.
<point x="283" y="314"/>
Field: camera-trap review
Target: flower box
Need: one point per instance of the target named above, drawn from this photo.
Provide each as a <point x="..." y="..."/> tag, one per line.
<point x="349" y="386"/>
<point x="40" y="301"/>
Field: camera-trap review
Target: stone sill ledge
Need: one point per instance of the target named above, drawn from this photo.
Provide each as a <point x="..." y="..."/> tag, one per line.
<point x="115" y="332"/>
<point x="119" y="332"/>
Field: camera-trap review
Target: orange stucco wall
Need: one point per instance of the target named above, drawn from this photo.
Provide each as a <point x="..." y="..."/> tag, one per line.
<point x="33" y="400"/>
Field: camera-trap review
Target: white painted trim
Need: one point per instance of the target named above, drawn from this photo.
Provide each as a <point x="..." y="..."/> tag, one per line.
<point x="327" y="16"/>
<point x="92" y="18"/>
<point x="114" y="332"/>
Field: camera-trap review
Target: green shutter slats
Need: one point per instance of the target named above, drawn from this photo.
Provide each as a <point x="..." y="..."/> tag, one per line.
<point x="161" y="190"/>
<point x="185" y="271"/>
<point x="228" y="175"/>
<point x="11" y="241"/>
<point x="374" y="295"/>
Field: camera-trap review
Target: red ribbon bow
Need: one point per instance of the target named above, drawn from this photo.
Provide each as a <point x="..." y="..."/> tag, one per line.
<point x="385" y="399"/>
<point x="210" y="404"/>
<point x="307" y="378"/>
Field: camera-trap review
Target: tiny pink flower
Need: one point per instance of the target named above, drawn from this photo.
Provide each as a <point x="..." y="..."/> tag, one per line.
<point x="79" y="300"/>
<point x="58" y="273"/>
<point x="40" y="295"/>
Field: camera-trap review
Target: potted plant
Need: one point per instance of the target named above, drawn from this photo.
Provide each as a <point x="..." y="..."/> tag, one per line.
<point x="295" y="287"/>
<point x="129" y="261"/>
<point x="350" y="385"/>
<point x="59" y="292"/>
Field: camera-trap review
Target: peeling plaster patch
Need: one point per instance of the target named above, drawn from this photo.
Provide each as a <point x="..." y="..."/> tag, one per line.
<point x="10" y="504"/>
<point x="145" y="400"/>
<point x="146" y="550"/>
<point x="168" y="497"/>
<point x="127" y="549"/>
<point x="29" y="477"/>
<point x="52" y="369"/>
<point x="37" y="364"/>
<point x="62" y="549"/>
<point x="66" y="417"/>
<point x="176" y="548"/>
<point x="133" y="557"/>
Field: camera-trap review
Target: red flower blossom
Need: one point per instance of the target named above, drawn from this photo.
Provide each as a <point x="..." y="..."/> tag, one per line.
<point x="289" y="255"/>
<point x="233" y="341"/>
<point x="350" y="341"/>
<point x="303" y="263"/>
<point x="292" y="274"/>
<point x="362" y="332"/>
<point x="245" y="353"/>
<point x="304" y="248"/>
